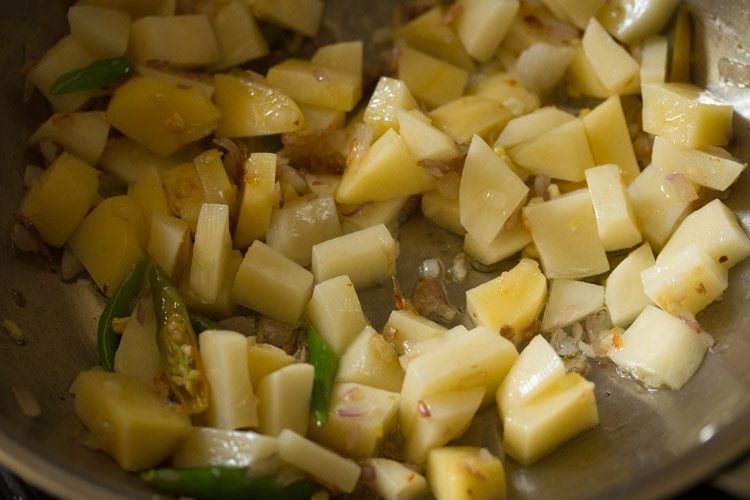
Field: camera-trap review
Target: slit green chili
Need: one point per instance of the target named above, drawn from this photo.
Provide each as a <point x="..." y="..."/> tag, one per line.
<point x="100" y="73"/>
<point x="118" y="306"/>
<point x="326" y="363"/>
<point x="202" y="323"/>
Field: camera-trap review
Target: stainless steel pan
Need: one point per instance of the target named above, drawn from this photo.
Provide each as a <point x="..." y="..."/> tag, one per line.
<point x="648" y="443"/>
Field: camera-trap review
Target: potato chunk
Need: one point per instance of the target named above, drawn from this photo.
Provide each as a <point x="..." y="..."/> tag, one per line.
<point x="464" y="473"/>
<point x="185" y="41"/>
<point x="336" y="313"/>
<point x="316" y="84"/>
<point x="129" y="421"/>
<point x="83" y="134"/>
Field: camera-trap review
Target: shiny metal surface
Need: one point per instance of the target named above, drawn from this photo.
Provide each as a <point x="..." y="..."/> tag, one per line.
<point x="648" y="444"/>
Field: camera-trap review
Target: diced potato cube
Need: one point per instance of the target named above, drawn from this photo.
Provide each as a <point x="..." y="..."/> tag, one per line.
<point x="206" y="446"/>
<point x="614" y="66"/>
<point x="60" y="198"/>
<point x="217" y="188"/>
<point x="251" y="109"/>
<point x="299" y="15"/>
<point x="386" y="212"/>
<point x="485" y="359"/>
<point x="441" y="418"/>
<point x="316" y="84"/>
<point x="609" y="138"/>
<point x="335" y="312"/>
<point x="489" y="193"/>
<point x="329" y="468"/>
<point x="631" y="20"/>
<point x="264" y="359"/>
<point x="510" y="304"/>
<point x="110" y="240"/>
<point x="581" y="79"/>
<point x="224" y="306"/>
<point x="553" y="416"/>
<point x="660" y="349"/>
<point x="137" y="353"/>
<point x="237" y="35"/>
<point x="414" y="349"/>
<point x="370" y="360"/>
<point x="654" y="58"/>
<point x="542" y="65"/>
<point x="345" y="56"/>
<point x="530" y="126"/>
<point x="562" y="153"/>
<point x="507" y="243"/>
<point x="424" y="141"/>
<point x="615" y="218"/>
<point x="465" y="472"/>
<point x="299" y="225"/>
<point x="508" y="91"/>
<point x="565" y="233"/>
<point x="713" y="168"/>
<point x="360" y="417"/>
<point x="578" y="12"/>
<point x="211" y="252"/>
<point x="183" y="78"/>
<point x="82" y="134"/>
<point x="431" y="80"/>
<point x="482" y="25"/>
<point x="687" y="280"/>
<point x="102" y="30"/>
<point x="441" y="205"/>
<point x="126" y="159"/>
<point x="471" y="115"/>
<point x="169" y="244"/>
<point x="185" y="41"/>
<point x="257" y="199"/>
<point x="148" y="192"/>
<point x="272" y="284"/>
<point x="537" y="368"/>
<point x="385" y="171"/>
<point x="284" y="397"/>
<point x="623" y="292"/>
<point x="393" y="480"/>
<point x="130" y="422"/>
<point x="713" y="228"/>
<point x="430" y="33"/>
<point x="570" y="301"/>
<point x="185" y="192"/>
<point x="161" y="115"/>
<point x="368" y="257"/>
<point x="407" y="327"/>
<point x="66" y="55"/>
<point x="686" y="115"/>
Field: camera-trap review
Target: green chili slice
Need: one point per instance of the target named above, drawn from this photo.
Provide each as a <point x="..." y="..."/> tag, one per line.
<point x="98" y="74"/>
<point x="202" y="323"/>
<point x="326" y="363"/>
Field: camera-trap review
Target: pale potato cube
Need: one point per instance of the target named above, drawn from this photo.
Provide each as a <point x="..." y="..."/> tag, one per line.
<point x="329" y="468"/>
<point x="206" y="446"/>
<point x="393" y="480"/>
<point x="609" y="138"/>
<point x="126" y="159"/>
<point x="60" y="198"/>
<point x="526" y="127"/>
<point x="578" y="12"/>
<point x="368" y="257"/>
<point x="299" y="225"/>
<point x="553" y="416"/>
<point x="465" y="472"/>
<point x="482" y="25"/>
<point x="137" y="353"/>
<point x="687" y="280"/>
<point x="485" y="359"/>
<point x="654" y="59"/>
<point x="184" y="41"/>
<point x="416" y="348"/>
<point x="257" y="199"/>
<point x="570" y="301"/>
<point x="632" y="20"/>
<point x="471" y="115"/>
<point x="713" y="167"/>
<point x="148" y="192"/>
<point x="264" y="359"/>
<point x="505" y="88"/>
<point x="614" y="66"/>
<point x="507" y="243"/>
<point x="657" y="205"/>
<point x="65" y="56"/>
<point x="232" y="403"/>
<point x="510" y="304"/>
<point x="686" y="115"/>
<point x="224" y="305"/>
<point x="386" y="212"/>
<point x="82" y="134"/>
<point x="407" y="327"/>
<point x="660" y="349"/>
<point x="316" y="84"/>
<point x="237" y="35"/>
<point x="442" y="205"/>
<point x="441" y="418"/>
<point x="424" y="141"/>
<point x="183" y="78"/>
<point x="541" y="66"/>
<point x="212" y="251"/>
<point x="299" y="15"/>
<point x="102" y="30"/>
<point x="251" y="108"/>
<point x="360" y="417"/>
<point x="284" y="399"/>
<point x="581" y="79"/>
<point x="386" y="170"/>
<point x="336" y="313"/>
<point x="130" y="422"/>
<point x="272" y="284"/>
<point x="565" y="233"/>
<point x="346" y="56"/>
<point x="370" y="360"/>
<point x="430" y="33"/>
<point x="615" y="217"/>
<point x="562" y="153"/>
<point x="489" y="192"/>
<point x="389" y="97"/>
<point x="318" y="119"/>
<point x="623" y="291"/>
<point x="715" y="229"/>
<point x="431" y="80"/>
<point x="169" y="244"/>
<point x="537" y="368"/>
<point x="217" y="188"/>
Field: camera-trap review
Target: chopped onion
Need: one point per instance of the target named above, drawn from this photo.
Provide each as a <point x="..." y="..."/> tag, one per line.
<point x="26" y="400"/>
<point x="431" y="268"/>
<point x="678" y="186"/>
